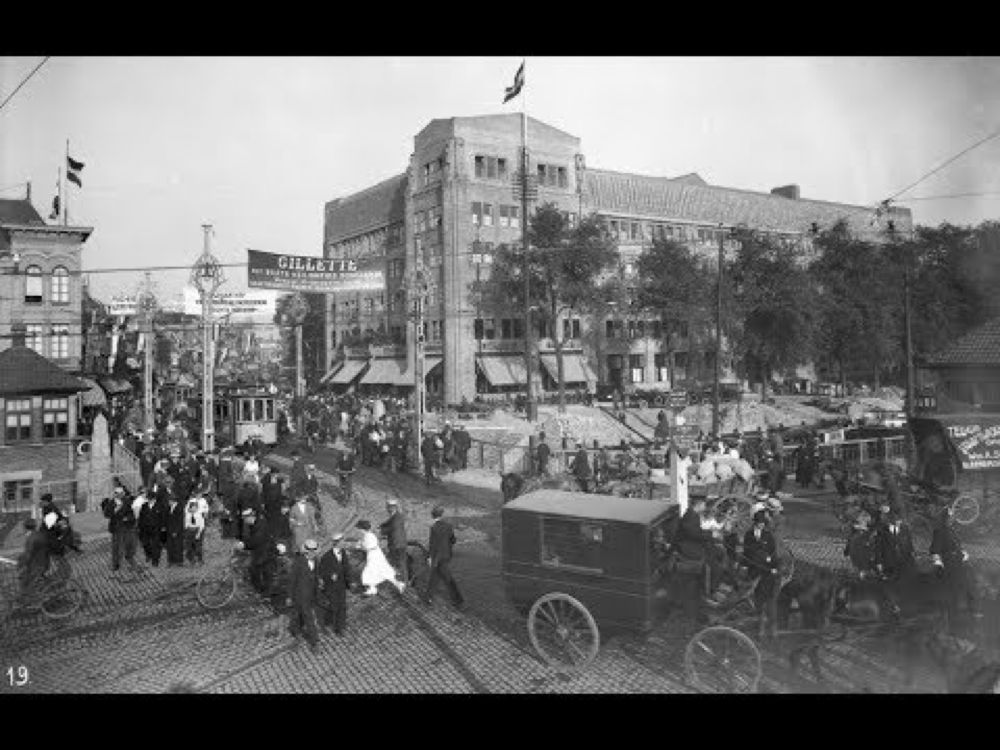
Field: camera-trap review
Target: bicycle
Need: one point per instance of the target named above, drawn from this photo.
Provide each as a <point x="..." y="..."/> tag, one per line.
<point x="55" y="594"/>
<point x="216" y="588"/>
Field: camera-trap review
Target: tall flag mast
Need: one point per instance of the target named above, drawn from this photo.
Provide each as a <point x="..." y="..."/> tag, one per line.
<point x="73" y="169"/>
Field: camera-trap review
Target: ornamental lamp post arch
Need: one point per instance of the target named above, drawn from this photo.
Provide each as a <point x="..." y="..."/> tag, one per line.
<point x="207" y="276"/>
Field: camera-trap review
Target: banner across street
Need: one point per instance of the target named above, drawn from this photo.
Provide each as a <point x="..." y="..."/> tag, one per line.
<point x="303" y="273"/>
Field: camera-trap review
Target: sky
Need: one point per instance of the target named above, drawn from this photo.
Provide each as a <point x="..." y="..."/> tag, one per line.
<point x="257" y="146"/>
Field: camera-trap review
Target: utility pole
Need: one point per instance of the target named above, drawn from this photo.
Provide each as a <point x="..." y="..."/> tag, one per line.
<point x="525" y="188"/>
<point x="418" y="286"/>
<point x="147" y="304"/>
<point x="907" y="323"/>
<point x="718" y="342"/>
<point x="207" y="276"/>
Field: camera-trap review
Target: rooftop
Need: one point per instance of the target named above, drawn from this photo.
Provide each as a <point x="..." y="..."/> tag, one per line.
<point x="980" y="346"/>
<point x="367" y="209"/>
<point x="24" y="371"/>
<point x="594" y="507"/>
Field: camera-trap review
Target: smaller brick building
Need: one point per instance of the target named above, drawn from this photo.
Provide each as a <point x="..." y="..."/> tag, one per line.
<point x="38" y="445"/>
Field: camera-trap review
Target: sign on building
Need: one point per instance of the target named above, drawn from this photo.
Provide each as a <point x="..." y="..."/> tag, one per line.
<point x="303" y="273"/>
<point x="231" y="303"/>
<point x="123" y="306"/>
<point x="977" y="438"/>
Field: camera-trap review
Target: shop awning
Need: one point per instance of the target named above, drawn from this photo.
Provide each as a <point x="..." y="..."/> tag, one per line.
<point x="114" y="387"/>
<point x="503" y="370"/>
<point x="351" y="369"/>
<point x="430" y="363"/>
<point x="326" y="378"/>
<point x="387" y="372"/>
<point x="576" y="369"/>
<point x="94" y="396"/>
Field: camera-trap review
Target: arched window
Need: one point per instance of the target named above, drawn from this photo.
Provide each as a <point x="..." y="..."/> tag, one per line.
<point x="60" y="285"/>
<point x="33" y="284"/>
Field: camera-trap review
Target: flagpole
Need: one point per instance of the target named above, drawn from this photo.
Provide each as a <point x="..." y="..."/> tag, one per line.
<point x="66" y="207"/>
<point x="530" y="410"/>
<point x="59" y="187"/>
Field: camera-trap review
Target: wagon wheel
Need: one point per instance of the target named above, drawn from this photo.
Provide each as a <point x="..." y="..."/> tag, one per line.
<point x="215" y="590"/>
<point x="965" y="509"/>
<point x="563" y="632"/>
<point x="59" y="600"/>
<point x="722" y="659"/>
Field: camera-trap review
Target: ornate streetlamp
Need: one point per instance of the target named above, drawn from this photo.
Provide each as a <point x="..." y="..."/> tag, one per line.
<point x="207" y="276"/>
<point x="293" y="315"/>
<point x="146" y="304"/>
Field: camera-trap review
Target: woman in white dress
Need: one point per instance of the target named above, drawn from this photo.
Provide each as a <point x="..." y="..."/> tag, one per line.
<point x="377" y="569"/>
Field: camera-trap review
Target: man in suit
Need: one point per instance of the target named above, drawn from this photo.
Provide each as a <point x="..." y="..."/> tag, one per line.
<point x="894" y="547"/>
<point x="760" y="555"/>
<point x="442" y="539"/>
<point x="542" y="453"/>
<point x="272" y="491"/>
<point x="429" y="452"/>
<point x="951" y="562"/>
<point x="263" y="554"/>
<point x="153" y="522"/>
<point x="302" y="519"/>
<point x="581" y="467"/>
<point x="175" y="531"/>
<point x="121" y="525"/>
<point x="463" y="442"/>
<point x="394" y="530"/>
<point x="34" y="560"/>
<point x="333" y="575"/>
<point x="302" y="587"/>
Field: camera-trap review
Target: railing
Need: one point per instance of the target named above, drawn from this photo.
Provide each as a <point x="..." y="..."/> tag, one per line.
<point x="500" y="458"/>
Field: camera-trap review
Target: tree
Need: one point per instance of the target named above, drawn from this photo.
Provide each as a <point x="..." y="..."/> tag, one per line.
<point x="307" y="310"/>
<point x="564" y="264"/>
<point x="858" y="320"/>
<point x="772" y="295"/>
<point x="675" y="285"/>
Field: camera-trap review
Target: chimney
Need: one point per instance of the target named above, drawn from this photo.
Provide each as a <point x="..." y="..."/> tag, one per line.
<point x="787" y="191"/>
<point x="28" y="197"/>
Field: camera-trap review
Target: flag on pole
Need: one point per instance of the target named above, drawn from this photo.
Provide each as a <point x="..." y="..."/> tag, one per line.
<point x="55" y="208"/>
<point x="511" y="91"/>
<point x="73" y="169"/>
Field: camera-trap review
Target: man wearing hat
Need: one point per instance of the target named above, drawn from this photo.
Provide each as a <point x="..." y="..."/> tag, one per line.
<point x="893" y="546"/>
<point x="333" y="575"/>
<point x="429" y="453"/>
<point x="951" y="562"/>
<point x="302" y="519"/>
<point x="121" y="525"/>
<point x="261" y="544"/>
<point x="442" y="539"/>
<point x="394" y="530"/>
<point x="580" y="467"/>
<point x="302" y="587"/>
<point x="760" y="555"/>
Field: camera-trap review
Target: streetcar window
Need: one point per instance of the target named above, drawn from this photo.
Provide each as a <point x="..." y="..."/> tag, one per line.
<point x="270" y="410"/>
<point x="258" y="410"/>
<point x="246" y="410"/>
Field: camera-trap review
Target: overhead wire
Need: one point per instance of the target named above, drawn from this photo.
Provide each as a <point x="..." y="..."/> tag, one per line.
<point x="26" y="79"/>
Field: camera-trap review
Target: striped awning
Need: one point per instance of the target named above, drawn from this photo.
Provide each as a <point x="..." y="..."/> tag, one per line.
<point x="349" y="372"/>
<point x="503" y="370"/>
<point x="576" y="369"/>
<point x="333" y="370"/>
<point x="94" y="396"/>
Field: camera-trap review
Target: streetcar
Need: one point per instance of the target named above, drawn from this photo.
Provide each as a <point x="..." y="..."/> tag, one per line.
<point x="246" y="413"/>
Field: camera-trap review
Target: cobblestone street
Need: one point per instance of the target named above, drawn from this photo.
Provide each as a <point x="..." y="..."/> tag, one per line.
<point x="144" y="631"/>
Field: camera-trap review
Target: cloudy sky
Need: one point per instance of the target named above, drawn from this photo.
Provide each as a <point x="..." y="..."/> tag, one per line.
<point x="256" y="146"/>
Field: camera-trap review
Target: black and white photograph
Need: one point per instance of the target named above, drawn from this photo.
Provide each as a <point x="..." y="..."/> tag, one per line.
<point x="499" y="375"/>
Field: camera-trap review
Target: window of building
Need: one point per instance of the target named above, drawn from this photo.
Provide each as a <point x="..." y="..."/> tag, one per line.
<point x="33" y="338"/>
<point x="515" y="214"/>
<point x="437" y="329"/>
<point x="33" y="284"/>
<point x="541" y="174"/>
<point x="660" y="364"/>
<point x="637" y="367"/>
<point x="571" y="328"/>
<point x="502" y="169"/>
<point x="489" y="329"/>
<point x="680" y="359"/>
<point x="60" y="285"/>
<point x="480" y="167"/>
<point x="487" y="214"/>
<point x="636" y="230"/>
<point x="421" y="221"/>
<point x="18" y="423"/>
<point x="55" y="418"/>
<point x="477" y="329"/>
<point x="571" y="543"/>
<point x="504" y="217"/>
<point x="505" y="328"/>
<point x="518" y="328"/>
<point x="563" y="180"/>
<point x="60" y="342"/>
<point x="369" y="305"/>
<point x="18" y="495"/>
<point x="613" y="228"/>
<point x="477" y="213"/>
<point x="609" y="329"/>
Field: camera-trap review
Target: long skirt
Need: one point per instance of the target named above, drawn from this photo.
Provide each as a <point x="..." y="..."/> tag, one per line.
<point x="377" y="569"/>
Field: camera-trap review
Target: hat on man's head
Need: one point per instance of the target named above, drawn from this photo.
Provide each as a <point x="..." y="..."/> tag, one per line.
<point x="248" y="511"/>
<point x="119" y="490"/>
<point x="337" y="537"/>
<point x="392" y="501"/>
<point x="310" y="545"/>
<point x="437" y="512"/>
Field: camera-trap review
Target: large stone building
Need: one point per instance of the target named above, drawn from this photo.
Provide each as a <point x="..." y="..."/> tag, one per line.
<point x="41" y="293"/>
<point x="455" y="204"/>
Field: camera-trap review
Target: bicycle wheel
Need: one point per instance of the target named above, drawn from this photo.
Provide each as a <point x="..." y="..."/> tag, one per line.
<point x="59" y="599"/>
<point x="965" y="509"/>
<point x="216" y="589"/>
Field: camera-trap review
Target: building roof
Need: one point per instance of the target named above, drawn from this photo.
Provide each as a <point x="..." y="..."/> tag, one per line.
<point x="19" y="212"/>
<point x="980" y="346"/>
<point x="689" y="199"/>
<point x="369" y="209"/>
<point x="594" y="507"/>
<point x="24" y="371"/>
